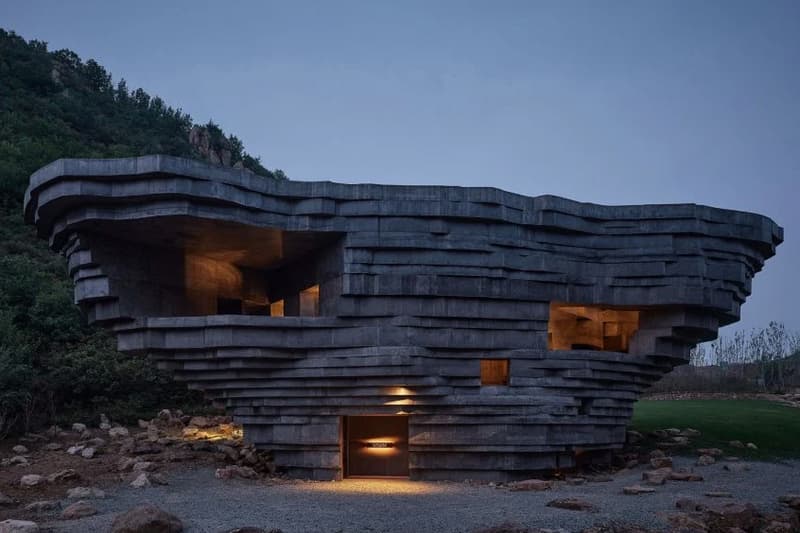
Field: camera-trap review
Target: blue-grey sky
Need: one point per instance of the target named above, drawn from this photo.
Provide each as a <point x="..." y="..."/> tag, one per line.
<point x="605" y="101"/>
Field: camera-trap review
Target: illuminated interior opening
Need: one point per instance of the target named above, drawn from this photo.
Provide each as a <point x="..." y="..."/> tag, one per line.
<point x="590" y="327"/>
<point x="309" y="301"/>
<point x="494" y="371"/>
<point x="276" y="308"/>
<point x="375" y="446"/>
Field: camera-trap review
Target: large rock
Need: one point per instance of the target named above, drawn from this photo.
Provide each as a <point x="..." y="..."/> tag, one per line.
<point x="78" y="510"/>
<point x="77" y="427"/>
<point x="146" y="519"/>
<point x="19" y="449"/>
<point x="118" y="432"/>
<point x="18" y="526"/>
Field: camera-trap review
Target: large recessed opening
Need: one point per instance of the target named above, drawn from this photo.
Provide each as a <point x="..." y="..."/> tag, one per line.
<point x="375" y="446"/>
<point x="187" y="266"/>
<point x="590" y="327"/>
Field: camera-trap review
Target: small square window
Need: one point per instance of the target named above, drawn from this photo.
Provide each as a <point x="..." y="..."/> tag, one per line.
<point x="494" y="371"/>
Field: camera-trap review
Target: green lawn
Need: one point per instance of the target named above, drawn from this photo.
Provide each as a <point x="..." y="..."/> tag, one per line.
<point x="774" y="428"/>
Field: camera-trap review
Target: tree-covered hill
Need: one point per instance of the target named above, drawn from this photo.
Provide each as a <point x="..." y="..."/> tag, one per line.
<point x="53" y="105"/>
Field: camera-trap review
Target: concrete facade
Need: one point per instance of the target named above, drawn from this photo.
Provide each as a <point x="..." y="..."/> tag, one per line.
<point x="296" y="304"/>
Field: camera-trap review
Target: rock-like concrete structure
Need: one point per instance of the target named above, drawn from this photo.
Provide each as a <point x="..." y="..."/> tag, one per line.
<point x="503" y="334"/>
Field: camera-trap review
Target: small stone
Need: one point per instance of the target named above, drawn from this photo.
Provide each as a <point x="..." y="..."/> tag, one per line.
<point x="705" y="460"/>
<point x="79" y="493"/>
<point x="637" y="489"/>
<point x="672" y="431"/>
<point x="233" y="471"/>
<point x="684" y="476"/>
<point x="736" y="444"/>
<point x="19" y="449"/>
<point x="690" y="432"/>
<point x="656" y="477"/>
<point x="31" y="480"/>
<point x="661" y="462"/>
<point x="575" y="481"/>
<point x="141" y="481"/>
<point x="52" y="446"/>
<point x="18" y="526"/>
<point x="165" y="414"/>
<point x="736" y="467"/>
<point x="18" y="460"/>
<point x="126" y="464"/>
<point x="78" y="510"/>
<point x="43" y="506"/>
<point x="6" y="500"/>
<point x="118" y="432"/>
<point x="531" y="485"/>
<point x="88" y="453"/>
<point x="77" y="427"/>
<point x="76" y="449"/>
<point x="752" y="446"/>
<point x="572" y="504"/>
<point x="63" y="475"/>
<point x="144" y="466"/>
<point x="719" y="494"/>
<point x="146" y="519"/>
<point x="713" y="452"/>
<point x="143" y="424"/>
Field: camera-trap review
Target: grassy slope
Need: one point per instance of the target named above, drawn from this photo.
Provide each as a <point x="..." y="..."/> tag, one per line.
<point x="774" y="428"/>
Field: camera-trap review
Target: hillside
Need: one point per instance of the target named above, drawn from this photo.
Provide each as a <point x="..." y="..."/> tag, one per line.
<point x="53" y="105"/>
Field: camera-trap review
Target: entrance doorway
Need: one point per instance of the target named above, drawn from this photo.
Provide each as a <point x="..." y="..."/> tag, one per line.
<point x="375" y="446"/>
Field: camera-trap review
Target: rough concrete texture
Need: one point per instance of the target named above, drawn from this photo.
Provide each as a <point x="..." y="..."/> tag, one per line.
<point x="415" y="286"/>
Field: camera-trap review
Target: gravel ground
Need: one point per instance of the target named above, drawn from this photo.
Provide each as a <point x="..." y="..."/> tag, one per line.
<point x="206" y="504"/>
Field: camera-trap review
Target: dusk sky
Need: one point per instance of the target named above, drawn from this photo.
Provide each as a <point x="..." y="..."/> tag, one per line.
<point x="599" y="101"/>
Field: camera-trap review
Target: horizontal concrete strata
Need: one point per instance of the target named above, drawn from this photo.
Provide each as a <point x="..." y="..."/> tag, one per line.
<point x="412" y="287"/>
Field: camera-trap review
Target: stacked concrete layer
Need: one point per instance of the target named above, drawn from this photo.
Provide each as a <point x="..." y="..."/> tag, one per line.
<point x="418" y="284"/>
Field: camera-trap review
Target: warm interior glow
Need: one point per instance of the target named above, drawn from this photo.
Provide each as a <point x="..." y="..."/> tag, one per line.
<point x="494" y="371"/>
<point x="309" y="301"/>
<point x="586" y="327"/>
<point x="276" y="308"/>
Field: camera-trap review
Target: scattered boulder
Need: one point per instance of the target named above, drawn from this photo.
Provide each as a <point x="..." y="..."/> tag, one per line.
<point x="18" y="460"/>
<point x="118" y="432"/>
<point x="684" y="476"/>
<point x="61" y="476"/>
<point x="233" y="471"/>
<point x="78" y="510"/>
<point x="637" y="489"/>
<point x="736" y="467"/>
<point x="713" y="452"/>
<point x="43" y="506"/>
<point x="656" y="477"/>
<point x="80" y="493"/>
<point x="535" y="485"/>
<point x="6" y="500"/>
<point x="31" y="480"/>
<point x="661" y="462"/>
<point x="77" y="427"/>
<point x="18" y="526"/>
<point x="88" y="453"/>
<point x="146" y="519"/>
<point x="705" y="460"/>
<point x="19" y="449"/>
<point x="572" y="504"/>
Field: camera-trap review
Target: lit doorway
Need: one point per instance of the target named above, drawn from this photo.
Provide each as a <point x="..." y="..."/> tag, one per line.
<point x="375" y="446"/>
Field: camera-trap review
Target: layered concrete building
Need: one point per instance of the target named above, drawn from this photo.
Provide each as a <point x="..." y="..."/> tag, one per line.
<point x="430" y="332"/>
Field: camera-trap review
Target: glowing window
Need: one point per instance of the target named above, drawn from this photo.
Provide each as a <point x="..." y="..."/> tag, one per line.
<point x="276" y="308"/>
<point x="494" y="371"/>
<point x="309" y="301"/>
